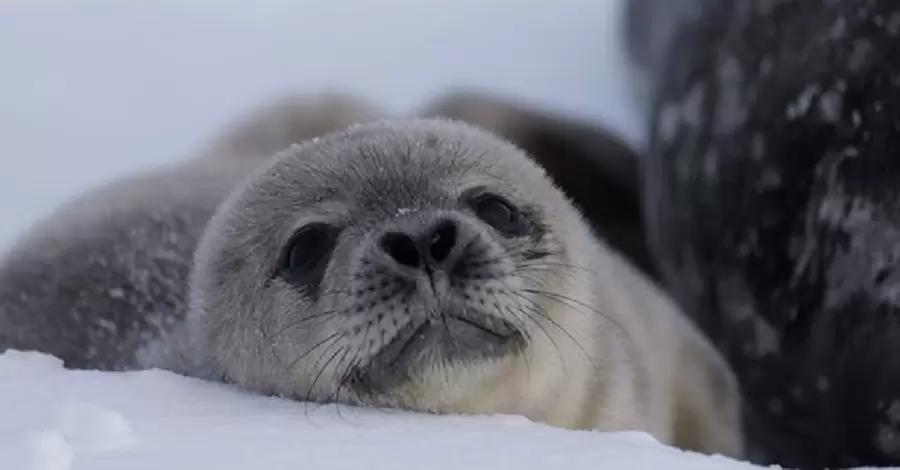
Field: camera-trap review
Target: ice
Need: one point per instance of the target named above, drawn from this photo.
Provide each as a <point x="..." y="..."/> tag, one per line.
<point x="155" y="419"/>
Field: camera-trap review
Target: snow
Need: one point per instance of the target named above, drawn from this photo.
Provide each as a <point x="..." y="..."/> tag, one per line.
<point x="94" y="89"/>
<point x="58" y="419"/>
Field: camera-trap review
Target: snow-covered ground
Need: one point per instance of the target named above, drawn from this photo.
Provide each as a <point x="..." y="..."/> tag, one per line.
<point x="92" y="89"/>
<point x="55" y="419"/>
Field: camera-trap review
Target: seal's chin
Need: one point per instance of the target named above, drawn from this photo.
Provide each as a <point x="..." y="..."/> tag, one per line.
<point x="423" y="345"/>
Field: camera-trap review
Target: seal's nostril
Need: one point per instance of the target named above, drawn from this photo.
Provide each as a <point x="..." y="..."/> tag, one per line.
<point x="443" y="238"/>
<point x="432" y="246"/>
<point x="402" y="248"/>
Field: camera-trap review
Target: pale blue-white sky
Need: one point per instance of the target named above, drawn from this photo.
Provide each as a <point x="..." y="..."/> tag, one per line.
<point x="93" y="89"/>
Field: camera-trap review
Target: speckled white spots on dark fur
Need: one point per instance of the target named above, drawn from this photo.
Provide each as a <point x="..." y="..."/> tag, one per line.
<point x="692" y="111"/>
<point x="687" y="113"/>
<point x="731" y="106"/>
<point x="758" y="147"/>
<point x="887" y="439"/>
<point x="711" y="164"/>
<point x="800" y="106"/>
<point x="823" y="383"/>
<point x="107" y="325"/>
<point x="893" y="412"/>
<point x="893" y="24"/>
<point x="821" y="84"/>
<point x="738" y="306"/>
<point x="776" y="406"/>
<point x="866" y="261"/>
<point x="668" y="122"/>
<point x="838" y="28"/>
<point x="769" y="178"/>
<point x="888" y="436"/>
<point x="860" y="55"/>
<point x="830" y="103"/>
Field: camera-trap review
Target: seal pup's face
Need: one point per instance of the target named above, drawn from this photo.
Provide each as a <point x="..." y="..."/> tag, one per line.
<point x="368" y="265"/>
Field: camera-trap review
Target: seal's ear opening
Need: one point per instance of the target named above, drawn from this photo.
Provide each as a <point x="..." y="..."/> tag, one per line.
<point x="596" y="169"/>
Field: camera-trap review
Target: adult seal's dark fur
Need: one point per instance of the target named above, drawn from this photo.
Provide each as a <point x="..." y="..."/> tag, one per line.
<point x="772" y="203"/>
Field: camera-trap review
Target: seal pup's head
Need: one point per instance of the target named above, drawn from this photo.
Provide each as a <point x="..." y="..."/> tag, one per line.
<point x="596" y="168"/>
<point x="402" y="263"/>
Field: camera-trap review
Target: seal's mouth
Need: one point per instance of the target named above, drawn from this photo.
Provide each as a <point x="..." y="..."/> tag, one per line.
<point x="450" y="338"/>
<point x="449" y="333"/>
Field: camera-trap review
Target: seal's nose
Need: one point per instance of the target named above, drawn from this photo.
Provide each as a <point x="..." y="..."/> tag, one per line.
<point x="430" y="247"/>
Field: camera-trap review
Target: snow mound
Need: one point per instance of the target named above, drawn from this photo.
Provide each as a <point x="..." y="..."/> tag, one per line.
<point x="58" y="419"/>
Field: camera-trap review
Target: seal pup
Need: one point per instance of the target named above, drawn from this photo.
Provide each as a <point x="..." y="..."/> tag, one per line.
<point x="773" y="212"/>
<point x="593" y="166"/>
<point x="104" y="275"/>
<point x="429" y="265"/>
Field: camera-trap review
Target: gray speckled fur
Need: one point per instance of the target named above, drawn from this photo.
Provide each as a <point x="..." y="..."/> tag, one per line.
<point x="603" y="347"/>
<point x="594" y="167"/>
<point x="105" y="274"/>
<point x="103" y="284"/>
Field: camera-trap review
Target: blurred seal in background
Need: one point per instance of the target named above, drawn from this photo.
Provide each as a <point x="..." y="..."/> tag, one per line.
<point x="772" y="206"/>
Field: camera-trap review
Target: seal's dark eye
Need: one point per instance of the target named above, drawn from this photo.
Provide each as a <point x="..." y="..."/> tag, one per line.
<point x="306" y="256"/>
<point x="500" y="214"/>
<point x="308" y="246"/>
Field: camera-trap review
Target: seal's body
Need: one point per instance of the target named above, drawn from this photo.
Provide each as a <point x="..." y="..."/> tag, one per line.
<point x="420" y="264"/>
<point x="105" y="274"/>
<point x="428" y="265"/>
<point x="772" y="208"/>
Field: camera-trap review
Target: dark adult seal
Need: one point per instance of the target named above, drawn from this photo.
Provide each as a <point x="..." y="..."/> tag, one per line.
<point x="771" y="199"/>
